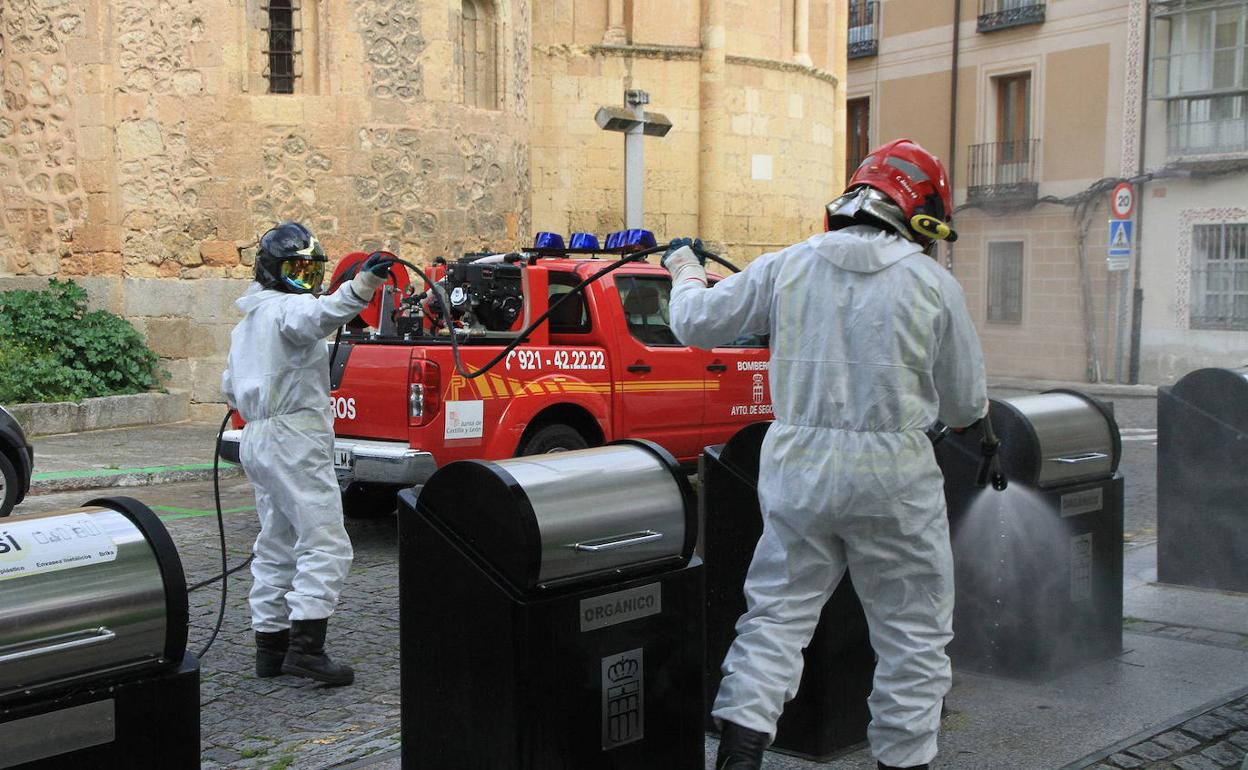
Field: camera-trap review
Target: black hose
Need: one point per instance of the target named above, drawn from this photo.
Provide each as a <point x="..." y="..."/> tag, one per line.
<point x="440" y="293"/>
<point x="226" y="571"/>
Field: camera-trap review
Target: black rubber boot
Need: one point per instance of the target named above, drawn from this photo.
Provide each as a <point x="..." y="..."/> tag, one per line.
<point x="883" y="766"/>
<point x="306" y="656"/>
<point x="271" y="651"/>
<point x="740" y="748"/>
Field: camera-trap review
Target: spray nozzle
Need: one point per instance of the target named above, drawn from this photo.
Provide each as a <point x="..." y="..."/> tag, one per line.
<point x="990" y="461"/>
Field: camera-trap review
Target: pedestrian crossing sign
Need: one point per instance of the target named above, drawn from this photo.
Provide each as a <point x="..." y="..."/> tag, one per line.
<point x="1120" y="237"/>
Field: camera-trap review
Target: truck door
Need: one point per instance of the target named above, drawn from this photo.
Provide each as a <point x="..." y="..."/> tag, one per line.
<point x="660" y="382"/>
<point x="738" y="391"/>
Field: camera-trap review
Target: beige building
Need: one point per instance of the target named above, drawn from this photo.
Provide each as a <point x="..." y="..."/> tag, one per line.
<point x="1047" y="113"/>
<point x="145" y="144"/>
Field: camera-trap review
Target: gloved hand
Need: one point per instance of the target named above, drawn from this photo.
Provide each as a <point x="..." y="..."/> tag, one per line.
<point x="682" y="263"/>
<point x="371" y="275"/>
<point x="376" y="265"/>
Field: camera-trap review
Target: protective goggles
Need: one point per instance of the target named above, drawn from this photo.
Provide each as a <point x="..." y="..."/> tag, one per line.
<point x="304" y="275"/>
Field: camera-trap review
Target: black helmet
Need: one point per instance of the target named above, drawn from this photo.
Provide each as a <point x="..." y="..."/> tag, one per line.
<point x="290" y="259"/>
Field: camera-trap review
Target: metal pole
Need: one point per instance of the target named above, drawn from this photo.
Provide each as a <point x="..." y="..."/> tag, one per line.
<point x="635" y="161"/>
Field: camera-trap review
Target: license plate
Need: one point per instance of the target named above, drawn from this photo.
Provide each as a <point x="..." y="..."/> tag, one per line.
<point x="344" y="459"/>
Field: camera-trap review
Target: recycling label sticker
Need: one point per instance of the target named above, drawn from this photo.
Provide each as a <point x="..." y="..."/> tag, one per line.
<point x="52" y="544"/>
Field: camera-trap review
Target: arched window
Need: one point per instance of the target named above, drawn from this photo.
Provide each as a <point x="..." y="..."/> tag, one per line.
<point x="282" y="48"/>
<point x="480" y="51"/>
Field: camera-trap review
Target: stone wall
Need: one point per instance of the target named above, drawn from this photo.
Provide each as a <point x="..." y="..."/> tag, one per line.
<point x="139" y="146"/>
<point x="780" y="149"/>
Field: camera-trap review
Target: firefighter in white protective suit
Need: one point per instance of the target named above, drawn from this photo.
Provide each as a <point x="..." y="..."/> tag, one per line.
<point x="277" y="377"/>
<point x="871" y="343"/>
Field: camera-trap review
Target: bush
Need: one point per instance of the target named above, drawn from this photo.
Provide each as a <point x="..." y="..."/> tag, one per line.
<point x="53" y="349"/>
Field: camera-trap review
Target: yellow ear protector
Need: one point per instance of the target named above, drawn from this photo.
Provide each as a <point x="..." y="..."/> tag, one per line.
<point x="932" y="227"/>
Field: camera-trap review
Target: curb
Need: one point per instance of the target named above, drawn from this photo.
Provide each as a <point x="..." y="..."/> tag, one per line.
<point x="1091" y="388"/>
<point x="104" y="478"/>
<point x="100" y="413"/>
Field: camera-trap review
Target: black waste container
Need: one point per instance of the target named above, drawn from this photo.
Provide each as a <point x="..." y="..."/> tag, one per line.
<point x="551" y="614"/>
<point x="94" y="670"/>
<point x="1038" y="567"/>
<point x="829" y="712"/>
<point x="1202" y="486"/>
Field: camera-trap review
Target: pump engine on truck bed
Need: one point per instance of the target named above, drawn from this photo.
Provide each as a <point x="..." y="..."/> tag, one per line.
<point x="604" y="366"/>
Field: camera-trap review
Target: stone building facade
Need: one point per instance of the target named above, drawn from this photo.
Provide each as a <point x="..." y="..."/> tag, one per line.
<point x="145" y="144"/>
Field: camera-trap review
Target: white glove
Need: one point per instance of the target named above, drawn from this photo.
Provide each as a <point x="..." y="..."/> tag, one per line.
<point x="684" y="266"/>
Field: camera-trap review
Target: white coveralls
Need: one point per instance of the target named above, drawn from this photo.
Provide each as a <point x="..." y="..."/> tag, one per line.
<point x="277" y="377"/>
<point x="870" y="343"/>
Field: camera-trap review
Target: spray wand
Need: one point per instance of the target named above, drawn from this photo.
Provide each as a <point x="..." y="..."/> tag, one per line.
<point x="990" y="460"/>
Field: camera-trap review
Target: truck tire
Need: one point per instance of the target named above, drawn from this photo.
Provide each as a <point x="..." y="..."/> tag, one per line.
<point x="553" y="438"/>
<point x="8" y="486"/>
<point x="369" y="502"/>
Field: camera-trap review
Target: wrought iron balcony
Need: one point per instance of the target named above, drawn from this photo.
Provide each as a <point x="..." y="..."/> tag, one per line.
<point x="1003" y="172"/>
<point x="863" y="38"/>
<point x="1003" y="14"/>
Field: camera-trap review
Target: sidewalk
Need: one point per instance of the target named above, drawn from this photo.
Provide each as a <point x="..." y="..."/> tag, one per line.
<point x="127" y="457"/>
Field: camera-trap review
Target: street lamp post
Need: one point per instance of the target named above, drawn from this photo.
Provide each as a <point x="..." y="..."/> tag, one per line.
<point x="634" y="122"/>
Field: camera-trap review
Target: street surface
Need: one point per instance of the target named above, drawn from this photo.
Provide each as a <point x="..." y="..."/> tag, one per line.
<point x="283" y="723"/>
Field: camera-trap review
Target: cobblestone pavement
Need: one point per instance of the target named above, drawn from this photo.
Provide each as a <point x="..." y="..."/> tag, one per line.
<point x="1211" y="741"/>
<point x="282" y="723"/>
<point x="287" y="723"/>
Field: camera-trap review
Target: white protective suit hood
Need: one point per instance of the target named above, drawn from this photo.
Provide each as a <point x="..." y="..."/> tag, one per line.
<point x="870" y="250"/>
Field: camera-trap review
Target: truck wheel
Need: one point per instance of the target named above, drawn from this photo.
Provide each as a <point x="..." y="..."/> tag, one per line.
<point x="369" y="502"/>
<point x="8" y="486"/>
<point x="553" y="438"/>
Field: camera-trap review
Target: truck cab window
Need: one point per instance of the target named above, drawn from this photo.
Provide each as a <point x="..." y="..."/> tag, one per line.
<point x="645" y="301"/>
<point x="572" y="316"/>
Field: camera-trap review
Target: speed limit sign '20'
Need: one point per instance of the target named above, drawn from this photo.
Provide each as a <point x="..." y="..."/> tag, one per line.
<point x="1122" y="201"/>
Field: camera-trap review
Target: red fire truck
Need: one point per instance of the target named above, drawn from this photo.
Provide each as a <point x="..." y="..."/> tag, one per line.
<point x="605" y="365"/>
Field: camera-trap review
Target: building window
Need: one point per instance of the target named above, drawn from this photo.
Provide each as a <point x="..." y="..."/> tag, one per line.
<point x="1006" y="168"/>
<point x="283" y="49"/>
<point x="864" y="38"/>
<point x="1005" y="282"/>
<point x="1200" y="66"/>
<point x="1220" y="277"/>
<point x="857" y="134"/>
<point x="480" y="50"/>
<point x="1003" y="14"/>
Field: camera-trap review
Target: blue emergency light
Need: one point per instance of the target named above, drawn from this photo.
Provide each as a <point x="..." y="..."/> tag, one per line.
<point x="638" y="239"/>
<point x="630" y="240"/>
<point x="548" y="242"/>
<point x="587" y="241"/>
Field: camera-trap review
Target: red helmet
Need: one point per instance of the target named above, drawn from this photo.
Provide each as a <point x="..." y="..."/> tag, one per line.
<point x="911" y="177"/>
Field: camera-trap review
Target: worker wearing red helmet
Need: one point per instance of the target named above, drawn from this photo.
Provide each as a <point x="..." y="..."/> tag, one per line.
<point x="871" y="343"/>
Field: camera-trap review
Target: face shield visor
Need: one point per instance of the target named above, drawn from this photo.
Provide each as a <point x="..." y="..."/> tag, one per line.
<point x="303" y="276"/>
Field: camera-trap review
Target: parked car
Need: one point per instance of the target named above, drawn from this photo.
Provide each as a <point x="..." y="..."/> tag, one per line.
<point x="17" y="459"/>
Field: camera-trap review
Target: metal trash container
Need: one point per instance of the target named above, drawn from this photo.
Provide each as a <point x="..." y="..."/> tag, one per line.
<point x="829" y="712"/>
<point x="551" y="614"/>
<point x="93" y="642"/>
<point x="1202" y="454"/>
<point x="1038" y="567"/>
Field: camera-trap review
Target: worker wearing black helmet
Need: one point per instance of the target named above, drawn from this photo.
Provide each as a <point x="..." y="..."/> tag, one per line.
<point x="277" y="377"/>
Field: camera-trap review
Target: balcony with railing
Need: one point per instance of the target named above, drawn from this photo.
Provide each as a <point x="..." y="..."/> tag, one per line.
<point x="1003" y="172"/>
<point x="864" y="40"/>
<point x="1004" y="14"/>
